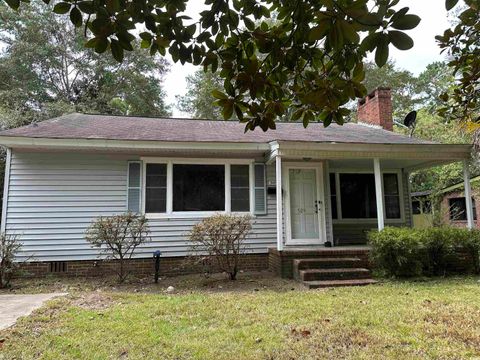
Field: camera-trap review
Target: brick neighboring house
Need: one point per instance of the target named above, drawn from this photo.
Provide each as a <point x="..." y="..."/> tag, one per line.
<point x="450" y="202"/>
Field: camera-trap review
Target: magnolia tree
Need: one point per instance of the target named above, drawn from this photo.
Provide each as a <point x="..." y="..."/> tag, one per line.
<point x="273" y="56"/>
<point x="118" y="237"/>
<point x="219" y="242"/>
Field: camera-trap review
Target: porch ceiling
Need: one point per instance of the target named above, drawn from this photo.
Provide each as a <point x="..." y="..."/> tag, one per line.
<point x="409" y="164"/>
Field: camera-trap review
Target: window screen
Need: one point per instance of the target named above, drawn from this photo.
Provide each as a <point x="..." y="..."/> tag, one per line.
<point x="156" y="188"/>
<point x="260" y="189"/>
<point x="392" y="196"/>
<point x="357" y="192"/>
<point x="198" y="187"/>
<point x="134" y="186"/>
<point x="458" y="209"/>
<point x="416" y="207"/>
<point x="240" y="187"/>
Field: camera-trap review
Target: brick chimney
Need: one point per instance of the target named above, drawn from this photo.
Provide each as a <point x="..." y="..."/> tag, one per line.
<point x="376" y="109"/>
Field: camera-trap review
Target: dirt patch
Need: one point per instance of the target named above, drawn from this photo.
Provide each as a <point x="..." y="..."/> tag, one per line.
<point x="93" y="301"/>
<point x="213" y="283"/>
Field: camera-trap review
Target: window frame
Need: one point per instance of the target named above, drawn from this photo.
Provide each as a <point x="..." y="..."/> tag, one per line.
<point x="450" y="214"/>
<point x="341" y="220"/>
<point x="195" y="161"/>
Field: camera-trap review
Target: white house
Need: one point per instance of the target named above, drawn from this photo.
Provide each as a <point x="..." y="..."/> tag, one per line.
<point x="336" y="182"/>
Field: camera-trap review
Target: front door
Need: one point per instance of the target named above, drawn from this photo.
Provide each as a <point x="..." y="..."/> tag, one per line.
<point x="304" y="206"/>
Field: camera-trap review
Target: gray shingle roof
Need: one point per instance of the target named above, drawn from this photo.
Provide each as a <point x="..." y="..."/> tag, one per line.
<point x="87" y="126"/>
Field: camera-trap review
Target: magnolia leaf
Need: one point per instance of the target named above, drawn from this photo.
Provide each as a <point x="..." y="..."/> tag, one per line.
<point x="400" y="40"/>
<point x="318" y="32"/>
<point x="406" y="22"/>
<point x="450" y="4"/>
<point x="14" y="4"/>
<point x="62" y="8"/>
<point x="76" y="17"/>
<point x="117" y="50"/>
<point x="86" y="7"/>
<point x="381" y="54"/>
<point x="219" y="95"/>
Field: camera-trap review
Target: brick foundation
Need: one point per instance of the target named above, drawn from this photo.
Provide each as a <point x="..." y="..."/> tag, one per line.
<point x="139" y="267"/>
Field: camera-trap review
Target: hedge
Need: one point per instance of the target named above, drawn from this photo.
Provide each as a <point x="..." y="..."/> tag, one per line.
<point x="406" y="252"/>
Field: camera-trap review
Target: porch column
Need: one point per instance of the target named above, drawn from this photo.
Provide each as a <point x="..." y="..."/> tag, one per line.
<point x="379" y="193"/>
<point x="468" y="195"/>
<point x="278" y="164"/>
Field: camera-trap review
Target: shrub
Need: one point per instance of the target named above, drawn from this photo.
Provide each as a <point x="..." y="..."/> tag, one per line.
<point x="9" y="246"/>
<point x="430" y="251"/>
<point x="439" y="244"/>
<point x="118" y="237"/>
<point x="220" y="240"/>
<point x="396" y="251"/>
<point x="471" y="244"/>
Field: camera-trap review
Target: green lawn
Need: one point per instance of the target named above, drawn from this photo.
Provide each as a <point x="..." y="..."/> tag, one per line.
<point x="254" y="319"/>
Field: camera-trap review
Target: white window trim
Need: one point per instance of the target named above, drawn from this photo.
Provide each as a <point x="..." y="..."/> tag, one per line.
<point x="341" y="220"/>
<point x="169" y="214"/>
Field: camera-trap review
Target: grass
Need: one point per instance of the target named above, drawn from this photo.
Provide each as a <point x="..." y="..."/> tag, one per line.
<point x="254" y="318"/>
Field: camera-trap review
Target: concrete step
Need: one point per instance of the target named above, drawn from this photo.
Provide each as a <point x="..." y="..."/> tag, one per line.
<point x="333" y="274"/>
<point x="328" y="263"/>
<point x="338" y="283"/>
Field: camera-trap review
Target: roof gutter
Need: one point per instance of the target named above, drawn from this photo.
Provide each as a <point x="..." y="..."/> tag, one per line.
<point x="48" y="143"/>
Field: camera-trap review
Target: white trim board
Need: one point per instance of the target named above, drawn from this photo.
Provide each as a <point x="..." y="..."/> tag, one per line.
<point x="6" y="188"/>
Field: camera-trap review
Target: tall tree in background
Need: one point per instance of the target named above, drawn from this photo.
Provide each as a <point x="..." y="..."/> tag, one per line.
<point x="317" y="46"/>
<point x="198" y="101"/>
<point x="436" y="79"/>
<point x="46" y="71"/>
<point x="462" y="44"/>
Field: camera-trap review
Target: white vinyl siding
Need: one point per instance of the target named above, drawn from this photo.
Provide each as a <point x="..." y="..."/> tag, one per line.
<point x="53" y="197"/>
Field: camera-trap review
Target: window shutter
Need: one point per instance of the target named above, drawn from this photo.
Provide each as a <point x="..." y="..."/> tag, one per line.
<point x="260" y="190"/>
<point x="134" y="186"/>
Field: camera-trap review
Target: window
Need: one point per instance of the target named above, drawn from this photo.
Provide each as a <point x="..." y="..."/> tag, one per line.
<point x="416" y="207"/>
<point x="357" y="196"/>
<point x="333" y="196"/>
<point x="198" y="187"/>
<point x="392" y="196"/>
<point x="181" y="187"/>
<point x="156" y="188"/>
<point x="240" y="187"/>
<point x="458" y="209"/>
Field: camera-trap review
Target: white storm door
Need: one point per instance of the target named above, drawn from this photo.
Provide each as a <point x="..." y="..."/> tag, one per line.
<point x="304" y="206"/>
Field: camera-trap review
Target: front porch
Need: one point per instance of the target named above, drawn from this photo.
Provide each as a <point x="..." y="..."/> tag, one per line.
<point x="331" y="195"/>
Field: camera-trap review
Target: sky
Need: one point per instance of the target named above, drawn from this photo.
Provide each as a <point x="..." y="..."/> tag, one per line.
<point x="434" y="22"/>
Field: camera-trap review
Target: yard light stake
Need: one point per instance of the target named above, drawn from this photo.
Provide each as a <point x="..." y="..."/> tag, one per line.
<point x="156" y="256"/>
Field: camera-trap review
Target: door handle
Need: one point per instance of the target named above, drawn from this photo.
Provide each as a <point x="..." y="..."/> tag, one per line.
<point x="316" y="207"/>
